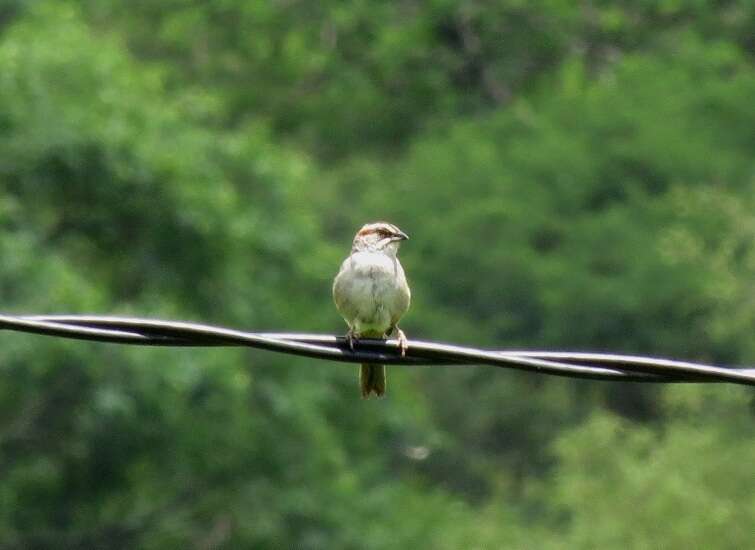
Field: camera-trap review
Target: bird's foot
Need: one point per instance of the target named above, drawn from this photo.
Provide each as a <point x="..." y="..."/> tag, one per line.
<point x="351" y="337"/>
<point x="403" y="343"/>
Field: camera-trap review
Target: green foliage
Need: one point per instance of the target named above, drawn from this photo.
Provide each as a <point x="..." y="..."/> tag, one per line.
<point x="636" y="487"/>
<point x="570" y="177"/>
<point x="369" y="76"/>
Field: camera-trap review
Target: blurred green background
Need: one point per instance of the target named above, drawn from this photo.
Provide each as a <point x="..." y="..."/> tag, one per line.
<point x="574" y="175"/>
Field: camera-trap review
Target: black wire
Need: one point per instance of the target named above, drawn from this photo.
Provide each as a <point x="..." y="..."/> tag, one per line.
<point x="645" y="369"/>
<point x="134" y="331"/>
<point x="171" y="333"/>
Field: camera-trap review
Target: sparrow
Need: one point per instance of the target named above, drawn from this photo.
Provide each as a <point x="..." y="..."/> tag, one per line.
<point x="371" y="294"/>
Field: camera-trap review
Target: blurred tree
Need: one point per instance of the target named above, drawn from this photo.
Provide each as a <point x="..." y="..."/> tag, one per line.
<point x="689" y="484"/>
<point x="573" y="176"/>
<point x="367" y="76"/>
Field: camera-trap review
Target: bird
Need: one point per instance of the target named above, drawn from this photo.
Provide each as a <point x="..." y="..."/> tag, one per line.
<point x="371" y="294"/>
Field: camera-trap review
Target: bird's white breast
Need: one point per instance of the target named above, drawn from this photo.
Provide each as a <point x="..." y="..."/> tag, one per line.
<point x="367" y="290"/>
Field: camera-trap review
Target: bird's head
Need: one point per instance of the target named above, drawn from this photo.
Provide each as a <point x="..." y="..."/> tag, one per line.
<point x="379" y="236"/>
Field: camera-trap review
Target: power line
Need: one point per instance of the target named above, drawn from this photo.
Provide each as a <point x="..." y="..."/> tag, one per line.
<point x="596" y="366"/>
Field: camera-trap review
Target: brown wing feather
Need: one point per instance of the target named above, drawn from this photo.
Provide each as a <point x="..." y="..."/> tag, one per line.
<point x="403" y="299"/>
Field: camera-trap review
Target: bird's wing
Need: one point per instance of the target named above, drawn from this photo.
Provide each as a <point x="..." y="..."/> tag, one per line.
<point x="403" y="297"/>
<point x="341" y="295"/>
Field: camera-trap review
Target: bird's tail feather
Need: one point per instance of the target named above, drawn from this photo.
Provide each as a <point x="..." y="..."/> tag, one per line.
<point x="372" y="379"/>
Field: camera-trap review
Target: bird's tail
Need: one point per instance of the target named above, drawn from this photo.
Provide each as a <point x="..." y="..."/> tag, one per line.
<point x="372" y="379"/>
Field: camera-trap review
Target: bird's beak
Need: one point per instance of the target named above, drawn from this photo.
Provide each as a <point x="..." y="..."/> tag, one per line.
<point x="400" y="236"/>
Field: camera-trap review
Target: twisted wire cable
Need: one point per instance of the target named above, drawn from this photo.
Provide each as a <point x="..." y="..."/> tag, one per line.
<point x="596" y="366"/>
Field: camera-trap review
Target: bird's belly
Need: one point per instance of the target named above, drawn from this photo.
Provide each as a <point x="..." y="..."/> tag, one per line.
<point x="373" y="296"/>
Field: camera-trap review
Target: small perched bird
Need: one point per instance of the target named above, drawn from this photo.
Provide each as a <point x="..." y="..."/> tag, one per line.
<point x="371" y="294"/>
